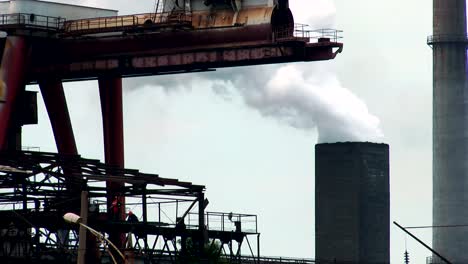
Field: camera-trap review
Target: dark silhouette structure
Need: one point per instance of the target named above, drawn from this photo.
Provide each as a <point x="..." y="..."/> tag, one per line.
<point x="352" y="203"/>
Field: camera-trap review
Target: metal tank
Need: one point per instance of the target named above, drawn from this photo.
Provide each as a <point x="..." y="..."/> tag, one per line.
<point x="267" y="16"/>
<point x="450" y="129"/>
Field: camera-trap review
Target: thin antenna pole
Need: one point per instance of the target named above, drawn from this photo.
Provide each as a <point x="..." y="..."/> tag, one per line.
<point x="422" y="243"/>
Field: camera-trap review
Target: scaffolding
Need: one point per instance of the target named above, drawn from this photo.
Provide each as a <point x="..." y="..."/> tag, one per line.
<point x="37" y="189"/>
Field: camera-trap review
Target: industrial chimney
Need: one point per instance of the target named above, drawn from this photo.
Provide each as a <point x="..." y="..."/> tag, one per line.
<point x="352" y="203"/>
<point x="450" y="130"/>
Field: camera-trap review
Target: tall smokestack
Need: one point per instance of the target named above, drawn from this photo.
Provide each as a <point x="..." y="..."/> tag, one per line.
<point x="450" y="130"/>
<point x="352" y="203"/>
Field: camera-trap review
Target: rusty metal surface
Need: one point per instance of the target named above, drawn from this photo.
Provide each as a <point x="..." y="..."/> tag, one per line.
<point x="227" y="18"/>
<point x="197" y="19"/>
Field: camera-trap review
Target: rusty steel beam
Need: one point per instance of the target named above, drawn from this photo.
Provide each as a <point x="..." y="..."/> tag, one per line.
<point x="57" y="109"/>
<point x="191" y="60"/>
<point x="184" y="50"/>
<point x="12" y="81"/>
<point x="127" y="44"/>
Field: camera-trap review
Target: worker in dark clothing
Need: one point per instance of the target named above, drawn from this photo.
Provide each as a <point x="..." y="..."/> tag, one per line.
<point x="132" y="218"/>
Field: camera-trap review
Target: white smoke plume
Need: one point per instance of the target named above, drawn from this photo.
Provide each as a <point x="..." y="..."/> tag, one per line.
<point x="306" y="97"/>
<point x="303" y="97"/>
<point x="301" y="100"/>
<point x="311" y="102"/>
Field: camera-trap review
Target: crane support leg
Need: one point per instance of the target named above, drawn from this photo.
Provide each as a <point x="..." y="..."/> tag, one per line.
<point x="56" y="105"/>
<point x="110" y="90"/>
<point x="12" y="81"/>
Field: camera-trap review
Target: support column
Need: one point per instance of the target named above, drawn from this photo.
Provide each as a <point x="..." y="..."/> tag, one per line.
<point x="202" y="224"/>
<point x="56" y="105"/>
<point x="110" y="89"/>
<point x="12" y="82"/>
<point x="82" y="235"/>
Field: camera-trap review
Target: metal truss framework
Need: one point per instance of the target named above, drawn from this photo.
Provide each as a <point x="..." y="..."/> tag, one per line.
<point x="35" y="194"/>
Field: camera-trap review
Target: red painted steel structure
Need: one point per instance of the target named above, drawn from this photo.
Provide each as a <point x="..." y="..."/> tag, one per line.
<point x="12" y="81"/>
<point x="184" y="51"/>
<point x="56" y="105"/>
<point x="110" y="90"/>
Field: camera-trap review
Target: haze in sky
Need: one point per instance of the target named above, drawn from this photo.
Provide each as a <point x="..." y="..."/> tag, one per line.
<point x="248" y="134"/>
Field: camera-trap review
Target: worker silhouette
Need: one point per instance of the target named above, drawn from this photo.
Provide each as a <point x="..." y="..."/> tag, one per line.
<point x="132" y="218"/>
<point x="115" y="208"/>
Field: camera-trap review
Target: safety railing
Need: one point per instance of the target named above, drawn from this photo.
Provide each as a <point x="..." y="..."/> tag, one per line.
<point x="226" y="222"/>
<point x="117" y="23"/>
<point x="332" y="35"/>
<point x="275" y="260"/>
<point x="303" y="31"/>
<point x="434" y="260"/>
<point x="447" y="38"/>
<point x="30" y="148"/>
<point x="31" y="21"/>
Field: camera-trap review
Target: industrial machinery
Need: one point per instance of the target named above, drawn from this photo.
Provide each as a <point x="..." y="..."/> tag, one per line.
<point x="48" y="43"/>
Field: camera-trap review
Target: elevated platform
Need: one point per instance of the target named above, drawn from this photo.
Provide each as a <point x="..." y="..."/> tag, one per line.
<point x="447" y="38"/>
<point x="154" y="44"/>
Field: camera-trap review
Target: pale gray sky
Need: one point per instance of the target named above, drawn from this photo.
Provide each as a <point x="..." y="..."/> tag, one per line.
<point x="180" y="127"/>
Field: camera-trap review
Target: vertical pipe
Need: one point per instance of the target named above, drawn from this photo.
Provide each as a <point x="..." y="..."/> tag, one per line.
<point x="12" y="81"/>
<point x="110" y="90"/>
<point x="201" y="211"/>
<point x="145" y="214"/>
<point x="258" y="247"/>
<point x="82" y="234"/>
<point x="450" y="126"/>
<point x="201" y="223"/>
<point x="56" y="105"/>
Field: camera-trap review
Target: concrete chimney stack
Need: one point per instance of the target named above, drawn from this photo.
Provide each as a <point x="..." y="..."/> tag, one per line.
<point x="352" y="203"/>
<point x="450" y="130"/>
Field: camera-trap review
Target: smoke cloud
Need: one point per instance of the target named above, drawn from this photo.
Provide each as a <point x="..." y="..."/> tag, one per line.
<point x="305" y="100"/>
<point x="304" y="97"/>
